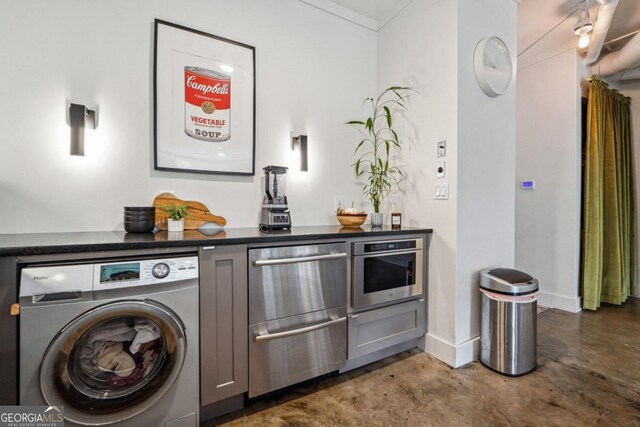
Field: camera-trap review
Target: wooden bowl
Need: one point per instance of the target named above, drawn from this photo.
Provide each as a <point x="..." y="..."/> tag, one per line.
<point x="352" y="220"/>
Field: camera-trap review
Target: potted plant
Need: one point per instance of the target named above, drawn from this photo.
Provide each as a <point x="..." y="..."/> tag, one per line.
<point x="372" y="152"/>
<point x="176" y="213"/>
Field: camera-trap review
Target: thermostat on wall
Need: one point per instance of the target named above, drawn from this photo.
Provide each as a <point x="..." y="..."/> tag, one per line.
<point x="529" y="184"/>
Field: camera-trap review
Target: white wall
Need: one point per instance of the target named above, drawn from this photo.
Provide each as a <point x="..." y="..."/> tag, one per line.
<point x="631" y="88"/>
<point x="427" y="31"/>
<point x="474" y="229"/>
<point x="486" y="163"/>
<point x="313" y="70"/>
<point x="549" y="151"/>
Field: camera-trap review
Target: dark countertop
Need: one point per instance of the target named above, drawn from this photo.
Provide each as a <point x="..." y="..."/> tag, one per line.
<point x="56" y="243"/>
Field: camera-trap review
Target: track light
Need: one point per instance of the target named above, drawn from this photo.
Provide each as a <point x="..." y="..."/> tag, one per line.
<point x="584" y="41"/>
<point x="584" y="24"/>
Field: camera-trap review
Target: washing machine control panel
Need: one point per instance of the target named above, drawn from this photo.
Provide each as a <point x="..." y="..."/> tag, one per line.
<point x="145" y="272"/>
<point x="79" y="278"/>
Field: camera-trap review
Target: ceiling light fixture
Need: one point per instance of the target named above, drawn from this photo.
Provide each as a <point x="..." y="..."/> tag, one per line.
<point x="584" y="41"/>
<point x="584" y="24"/>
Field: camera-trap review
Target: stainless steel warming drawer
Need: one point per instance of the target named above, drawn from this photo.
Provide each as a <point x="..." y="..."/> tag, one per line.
<point x="373" y="330"/>
<point x="297" y="314"/>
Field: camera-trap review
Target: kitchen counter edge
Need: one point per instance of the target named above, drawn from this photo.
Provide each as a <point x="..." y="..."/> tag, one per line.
<point x="58" y="243"/>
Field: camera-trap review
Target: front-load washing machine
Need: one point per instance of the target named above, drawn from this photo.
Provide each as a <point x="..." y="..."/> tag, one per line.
<point x="112" y="342"/>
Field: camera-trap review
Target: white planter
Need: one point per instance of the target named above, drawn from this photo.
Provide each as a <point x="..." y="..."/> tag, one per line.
<point x="175" y="224"/>
<point x="376" y="219"/>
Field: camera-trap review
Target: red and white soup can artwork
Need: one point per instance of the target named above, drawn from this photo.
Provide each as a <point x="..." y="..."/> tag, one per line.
<point x="207" y="100"/>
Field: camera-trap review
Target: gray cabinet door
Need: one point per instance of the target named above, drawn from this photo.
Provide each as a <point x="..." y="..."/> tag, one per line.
<point x="223" y="323"/>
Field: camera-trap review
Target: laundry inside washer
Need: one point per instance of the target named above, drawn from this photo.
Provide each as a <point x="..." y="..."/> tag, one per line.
<point x="118" y="355"/>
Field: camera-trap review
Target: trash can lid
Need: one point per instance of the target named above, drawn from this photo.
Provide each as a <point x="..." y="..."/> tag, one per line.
<point x="508" y="280"/>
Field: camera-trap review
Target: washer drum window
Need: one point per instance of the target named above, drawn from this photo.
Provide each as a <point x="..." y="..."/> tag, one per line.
<point x="113" y="362"/>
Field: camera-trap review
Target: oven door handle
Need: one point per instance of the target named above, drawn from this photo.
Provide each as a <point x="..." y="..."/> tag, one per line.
<point x="390" y="253"/>
<point x="267" y="336"/>
<point x="279" y="261"/>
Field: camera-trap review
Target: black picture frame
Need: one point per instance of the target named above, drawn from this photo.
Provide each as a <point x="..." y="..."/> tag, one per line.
<point x="192" y="66"/>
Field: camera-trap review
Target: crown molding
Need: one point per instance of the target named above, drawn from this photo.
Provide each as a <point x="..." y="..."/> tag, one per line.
<point x="344" y="13"/>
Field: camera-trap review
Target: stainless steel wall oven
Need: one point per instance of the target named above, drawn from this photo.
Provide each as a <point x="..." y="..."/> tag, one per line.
<point x="386" y="271"/>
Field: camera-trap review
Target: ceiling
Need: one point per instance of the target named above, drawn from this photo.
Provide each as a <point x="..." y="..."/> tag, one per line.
<point x="537" y="17"/>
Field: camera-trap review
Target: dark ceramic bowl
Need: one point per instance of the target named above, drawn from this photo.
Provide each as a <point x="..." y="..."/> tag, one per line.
<point x="139" y="217"/>
<point x="139" y="226"/>
<point x="139" y="209"/>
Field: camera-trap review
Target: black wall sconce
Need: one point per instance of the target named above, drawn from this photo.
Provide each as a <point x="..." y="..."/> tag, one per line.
<point x="79" y="117"/>
<point x="302" y="141"/>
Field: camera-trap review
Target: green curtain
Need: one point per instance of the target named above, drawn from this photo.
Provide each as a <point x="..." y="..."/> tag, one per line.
<point x="609" y="263"/>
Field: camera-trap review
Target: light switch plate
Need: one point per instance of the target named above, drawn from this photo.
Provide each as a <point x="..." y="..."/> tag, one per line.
<point x="441" y="192"/>
<point x="440" y="169"/>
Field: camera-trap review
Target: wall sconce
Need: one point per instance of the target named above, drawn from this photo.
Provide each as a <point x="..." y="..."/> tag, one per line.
<point x="302" y="141"/>
<point x="79" y="117"/>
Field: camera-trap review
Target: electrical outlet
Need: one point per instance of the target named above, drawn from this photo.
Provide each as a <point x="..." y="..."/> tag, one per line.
<point x="442" y="148"/>
<point x="338" y="202"/>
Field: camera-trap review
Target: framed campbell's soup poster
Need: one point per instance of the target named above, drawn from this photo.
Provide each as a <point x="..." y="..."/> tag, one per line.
<point x="204" y="102"/>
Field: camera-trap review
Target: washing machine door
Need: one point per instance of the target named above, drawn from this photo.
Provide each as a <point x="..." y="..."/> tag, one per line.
<point x="113" y="362"/>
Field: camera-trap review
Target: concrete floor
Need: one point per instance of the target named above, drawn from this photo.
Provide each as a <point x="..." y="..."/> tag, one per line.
<point x="588" y="374"/>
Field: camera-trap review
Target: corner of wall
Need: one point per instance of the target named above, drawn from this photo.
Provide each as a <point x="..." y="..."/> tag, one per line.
<point x="428" y="32"/>
<point x="453" y="355"/>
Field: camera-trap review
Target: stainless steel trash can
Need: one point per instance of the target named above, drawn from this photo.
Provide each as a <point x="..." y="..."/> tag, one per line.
<point x="509" y="321"/>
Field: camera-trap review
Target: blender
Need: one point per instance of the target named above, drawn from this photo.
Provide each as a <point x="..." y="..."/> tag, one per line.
<point x="275" y="210"/>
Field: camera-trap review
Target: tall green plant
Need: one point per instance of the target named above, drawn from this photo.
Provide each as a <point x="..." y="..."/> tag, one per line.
<point x="372" y="152"/>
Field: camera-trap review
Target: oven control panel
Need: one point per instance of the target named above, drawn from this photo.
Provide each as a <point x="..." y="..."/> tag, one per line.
<point x="389" y="246"/>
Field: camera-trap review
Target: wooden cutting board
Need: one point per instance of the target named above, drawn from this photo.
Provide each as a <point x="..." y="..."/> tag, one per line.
<point x="198" y="213"/>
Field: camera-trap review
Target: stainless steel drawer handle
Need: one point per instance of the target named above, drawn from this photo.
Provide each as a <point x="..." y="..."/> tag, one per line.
<point x="279" y="261"/>
<point x="284" y="334"/>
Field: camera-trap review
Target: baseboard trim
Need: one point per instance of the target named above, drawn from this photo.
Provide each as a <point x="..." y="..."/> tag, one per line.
<point x="453" y="355"/>
<point x="222" y="407"/>
<point x="570" y="304"/>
